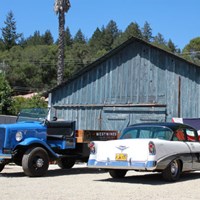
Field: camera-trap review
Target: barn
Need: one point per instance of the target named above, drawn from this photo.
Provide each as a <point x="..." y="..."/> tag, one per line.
<point x="135" y="82"/>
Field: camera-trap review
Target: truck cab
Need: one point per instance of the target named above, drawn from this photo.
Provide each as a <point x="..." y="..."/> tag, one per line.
<point x="32" y="142"/>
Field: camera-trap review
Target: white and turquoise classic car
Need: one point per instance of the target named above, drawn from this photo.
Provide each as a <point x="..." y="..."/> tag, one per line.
<point x="169" y="148"/>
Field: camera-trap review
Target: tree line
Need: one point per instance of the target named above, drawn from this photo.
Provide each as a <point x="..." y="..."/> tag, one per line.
<point x="30" y="64"/>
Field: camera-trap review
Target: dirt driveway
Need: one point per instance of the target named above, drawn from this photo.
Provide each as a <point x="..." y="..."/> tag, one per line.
<point x="86" y="184"/>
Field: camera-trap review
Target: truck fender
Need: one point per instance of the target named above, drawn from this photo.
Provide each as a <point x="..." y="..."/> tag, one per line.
<point x="35" y="141"/>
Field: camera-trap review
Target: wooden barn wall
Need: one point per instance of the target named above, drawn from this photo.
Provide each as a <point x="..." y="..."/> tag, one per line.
<point x="139" y="74"/>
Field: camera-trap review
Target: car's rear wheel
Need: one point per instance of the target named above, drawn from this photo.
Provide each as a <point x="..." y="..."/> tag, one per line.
<point x="2" y="167"/>
<point x="173" y="171"/>
<point x="35" y="162"/>
<point x="117" y="173"/>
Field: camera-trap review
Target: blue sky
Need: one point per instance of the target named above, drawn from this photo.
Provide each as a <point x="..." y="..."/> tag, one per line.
<point x="178" y="20"/>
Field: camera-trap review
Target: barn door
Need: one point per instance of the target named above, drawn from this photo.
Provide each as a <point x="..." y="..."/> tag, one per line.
<point x="113" y="120"/>
<point x="117" y="118"/>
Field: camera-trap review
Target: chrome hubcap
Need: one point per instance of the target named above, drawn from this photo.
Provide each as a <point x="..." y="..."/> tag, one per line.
<point x="39" y="162"/>
<point x="174" y="168"/>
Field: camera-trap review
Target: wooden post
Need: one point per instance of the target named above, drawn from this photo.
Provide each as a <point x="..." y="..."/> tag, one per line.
<point x="179" y="96"/>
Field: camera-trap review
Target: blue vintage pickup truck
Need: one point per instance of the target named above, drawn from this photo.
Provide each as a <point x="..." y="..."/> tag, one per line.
<point x="33" y="142"/>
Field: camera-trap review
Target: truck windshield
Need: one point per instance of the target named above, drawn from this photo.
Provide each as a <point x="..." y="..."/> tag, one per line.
<point x="32" y="114"/>
<point x="147" y="132"/>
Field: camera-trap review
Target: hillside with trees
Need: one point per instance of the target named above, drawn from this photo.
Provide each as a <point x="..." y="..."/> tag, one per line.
<point x="30" y="64"/>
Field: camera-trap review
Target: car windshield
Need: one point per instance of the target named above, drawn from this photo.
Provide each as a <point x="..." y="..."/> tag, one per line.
<point x="32" y="114"/>
<point x="147" y="132"/>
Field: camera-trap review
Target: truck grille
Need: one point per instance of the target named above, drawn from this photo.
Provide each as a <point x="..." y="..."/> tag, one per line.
<point x="2" y="138"/>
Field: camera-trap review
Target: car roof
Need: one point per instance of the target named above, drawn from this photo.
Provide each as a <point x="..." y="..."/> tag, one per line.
<point x="170" y="125"/>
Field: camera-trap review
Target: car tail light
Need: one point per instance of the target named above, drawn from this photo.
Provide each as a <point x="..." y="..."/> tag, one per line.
<point x="91" y="146"/>
<point x="152" y="148"/>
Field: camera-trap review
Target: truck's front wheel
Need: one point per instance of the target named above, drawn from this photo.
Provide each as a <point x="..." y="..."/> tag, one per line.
<point x="35" y="162"/>
<point x="1" y="167"/>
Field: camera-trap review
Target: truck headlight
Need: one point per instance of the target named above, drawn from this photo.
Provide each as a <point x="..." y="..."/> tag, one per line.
<point x="19" y="136"/>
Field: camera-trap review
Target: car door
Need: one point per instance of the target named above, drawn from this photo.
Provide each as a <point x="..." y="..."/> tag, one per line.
<point x="194" y="146"/>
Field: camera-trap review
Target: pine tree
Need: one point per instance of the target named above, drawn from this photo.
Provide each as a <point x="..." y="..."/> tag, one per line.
<point x="171" y="46"/>
<point x="159" y="39"/>
<point x="95" y="42"/>
<point x="133" y="30"/>
<point x="47" y="38"/>
<point x="79" y="37"/>
<point x="36" y="39"/>
<point x="9" y="33"/>
<point x="109" y="34"/>
<point x="147" y="32"/>
<point x="68" y="37"/>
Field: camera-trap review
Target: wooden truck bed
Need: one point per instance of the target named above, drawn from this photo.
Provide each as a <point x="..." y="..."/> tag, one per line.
<point x="85" y="136"/>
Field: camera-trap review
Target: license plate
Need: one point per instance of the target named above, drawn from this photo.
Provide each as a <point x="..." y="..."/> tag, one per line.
<point x="121" y="157"/>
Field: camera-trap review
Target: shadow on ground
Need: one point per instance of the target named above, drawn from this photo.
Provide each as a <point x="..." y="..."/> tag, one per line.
<point x="140" y="178"/>
<point x="151" y="178"/>
<point x="18" y="172"/>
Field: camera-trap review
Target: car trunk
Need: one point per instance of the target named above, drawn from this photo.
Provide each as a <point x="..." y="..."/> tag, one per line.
<point x="135" y="150"/>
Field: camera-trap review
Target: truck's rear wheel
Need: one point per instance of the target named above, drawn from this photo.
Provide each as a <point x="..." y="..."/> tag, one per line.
<point x="1" y="167"/>
<point x="65" y="163"/>
<point x="35" y="162"/>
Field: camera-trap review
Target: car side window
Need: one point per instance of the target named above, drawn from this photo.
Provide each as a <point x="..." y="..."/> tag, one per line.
<point x="130" y="134"/>
<point x="179" y="135"/>
<point x="190" y="135"/>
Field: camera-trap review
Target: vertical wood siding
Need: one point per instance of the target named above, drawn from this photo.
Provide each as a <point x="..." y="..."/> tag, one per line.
<point x="137" y="74"/>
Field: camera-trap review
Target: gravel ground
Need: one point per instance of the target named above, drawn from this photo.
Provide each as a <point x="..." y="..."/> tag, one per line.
<point x="89" y="184"/>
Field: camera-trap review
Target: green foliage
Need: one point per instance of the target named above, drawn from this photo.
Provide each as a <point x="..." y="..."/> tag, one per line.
<point x="30" y="64"/>
<point x="33" y="67"/>
<point x="5" y="95"/>
<point x="19" y="103"/>
<point x="36" y="39"/>
<point x="192" y="50"/>
<point x="47" y="38"/>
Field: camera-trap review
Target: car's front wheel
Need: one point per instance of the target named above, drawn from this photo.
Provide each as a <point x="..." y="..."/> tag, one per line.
<point x="117" y="173"/>
<point x="65" y="163"/>
<point x="35" y="162"/>
<point x="173" y="171"/>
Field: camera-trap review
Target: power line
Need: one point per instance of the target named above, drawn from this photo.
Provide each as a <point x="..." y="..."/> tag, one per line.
<point x="190" y="52"/>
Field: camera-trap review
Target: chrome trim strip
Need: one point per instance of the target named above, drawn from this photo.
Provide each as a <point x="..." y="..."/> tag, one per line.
<point x="5" y="156"/>
<point x="149" y="165"/>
